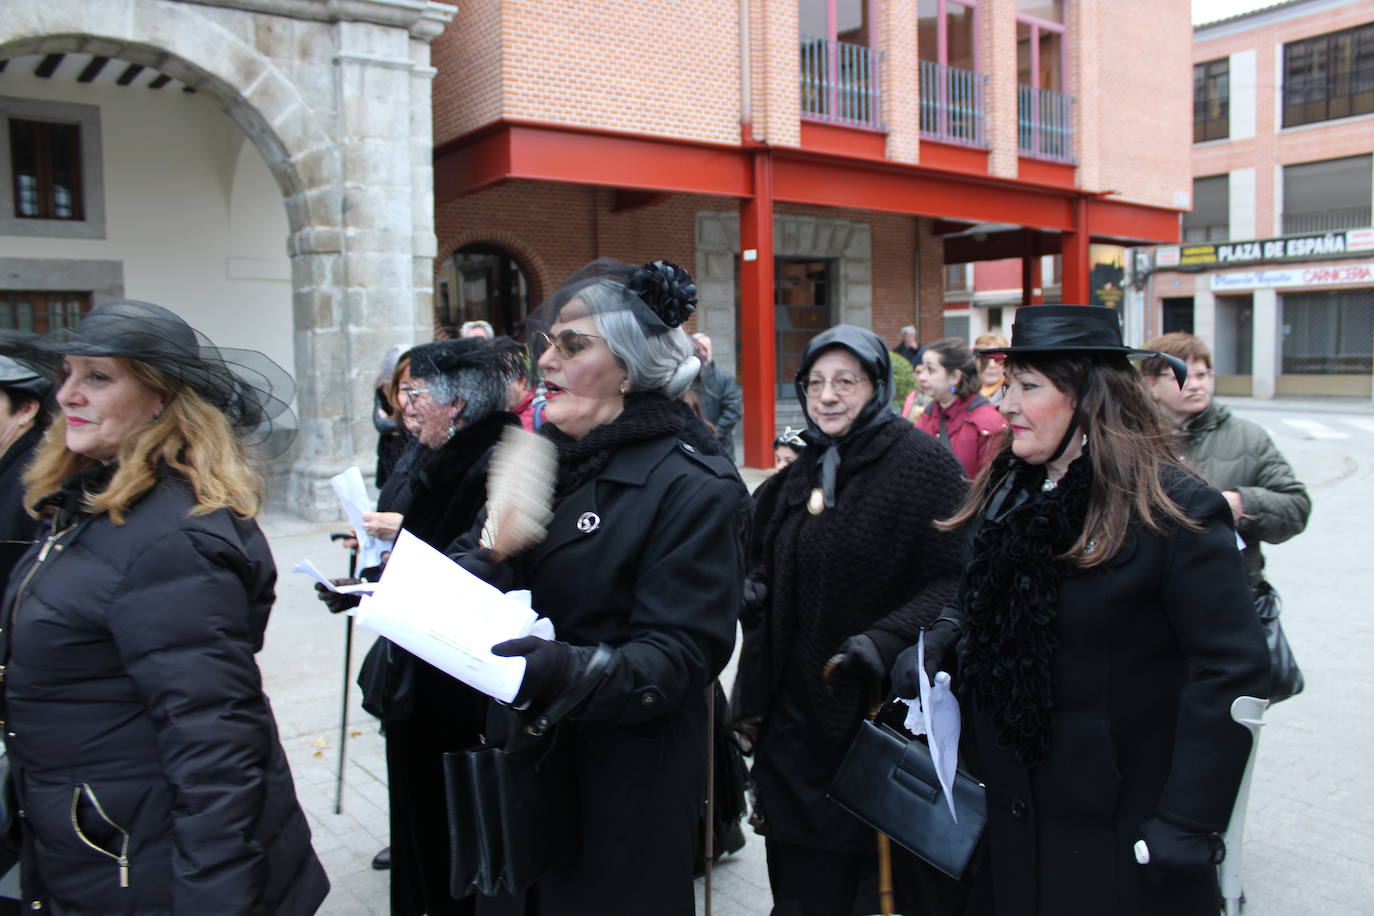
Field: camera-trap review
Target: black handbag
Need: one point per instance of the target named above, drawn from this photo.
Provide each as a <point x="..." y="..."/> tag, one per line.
<point x="1285" y="675"/>
<point x="387" y="681"/>
<point x="512" y="808"/>
<point x="888" y="781"/>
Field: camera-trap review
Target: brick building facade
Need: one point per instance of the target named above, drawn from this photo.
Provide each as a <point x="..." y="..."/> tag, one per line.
<point x="1276" y="266"/>
<point x="811" y="161"/>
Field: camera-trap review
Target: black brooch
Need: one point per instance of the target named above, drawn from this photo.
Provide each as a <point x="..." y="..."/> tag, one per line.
<point x="667" y="289"/>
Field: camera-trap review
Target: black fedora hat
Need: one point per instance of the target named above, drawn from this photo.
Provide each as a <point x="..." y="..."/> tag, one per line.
<point x="1074" y="329"/>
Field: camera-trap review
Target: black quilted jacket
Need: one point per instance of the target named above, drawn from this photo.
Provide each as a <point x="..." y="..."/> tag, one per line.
<point x="144" y="753"/>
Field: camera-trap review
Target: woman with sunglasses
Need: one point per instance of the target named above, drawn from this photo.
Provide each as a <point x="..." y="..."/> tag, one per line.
<point x="643" y="554"/>
<point x="846" y="566"/>
<point x="453" y="396"/>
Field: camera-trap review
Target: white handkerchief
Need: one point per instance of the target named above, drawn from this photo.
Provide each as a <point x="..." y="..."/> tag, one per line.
<point x="935" y="714"/>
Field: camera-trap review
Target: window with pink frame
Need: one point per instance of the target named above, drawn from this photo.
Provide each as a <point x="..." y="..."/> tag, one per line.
<point x="952" y="91"/>
<point x="839" y="69"/>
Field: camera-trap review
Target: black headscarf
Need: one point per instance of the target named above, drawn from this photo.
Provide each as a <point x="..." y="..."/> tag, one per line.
<point x="872" y="355"/>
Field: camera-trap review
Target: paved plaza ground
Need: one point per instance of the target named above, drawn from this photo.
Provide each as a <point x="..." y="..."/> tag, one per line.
<point x="1310" y="840"/>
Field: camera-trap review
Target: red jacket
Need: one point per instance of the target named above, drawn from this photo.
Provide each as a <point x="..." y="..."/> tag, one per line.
<point x="974" y="427"/>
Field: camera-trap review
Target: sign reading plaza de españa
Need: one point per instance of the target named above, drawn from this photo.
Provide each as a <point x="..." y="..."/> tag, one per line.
<point x="1289" y="248"/>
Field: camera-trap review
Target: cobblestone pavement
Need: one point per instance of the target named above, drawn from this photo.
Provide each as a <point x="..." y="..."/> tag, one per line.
<point x="1310" y="842"/>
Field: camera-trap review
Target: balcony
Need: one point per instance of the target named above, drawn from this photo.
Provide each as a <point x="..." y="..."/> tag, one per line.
<point x="1326" y="221"/>
<point x="840" y="83"/>
<point x="952" y="104"/>
<point x="1044" y="123"/>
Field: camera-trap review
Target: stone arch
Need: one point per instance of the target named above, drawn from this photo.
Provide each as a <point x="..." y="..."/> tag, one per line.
<point x="184" y="43"/>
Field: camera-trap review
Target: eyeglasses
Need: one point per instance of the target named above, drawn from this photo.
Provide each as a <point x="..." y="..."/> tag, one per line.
<point x="568" y="342"/>
<point x="411" y="394"/>
<point x="791" y="437"/>
<point x="842" y="385"/>
<point x="1203" y="376"/>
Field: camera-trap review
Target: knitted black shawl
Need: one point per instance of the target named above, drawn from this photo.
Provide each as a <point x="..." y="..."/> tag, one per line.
<point x="874" y="563"/>
<point x="646" y="416"/>
<point x="1010" y="594"/>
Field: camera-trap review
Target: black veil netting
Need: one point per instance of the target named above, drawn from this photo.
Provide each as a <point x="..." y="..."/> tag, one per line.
<point x="251" y="390"/>
<point x="660" y="295"/>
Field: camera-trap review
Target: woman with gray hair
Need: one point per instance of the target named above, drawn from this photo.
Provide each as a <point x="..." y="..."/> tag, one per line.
<point x="453" y="398"/>
<point x="643" y="555"/>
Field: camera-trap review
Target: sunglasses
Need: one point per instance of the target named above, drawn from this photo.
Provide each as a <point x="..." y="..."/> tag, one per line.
<point x="567" y="342"/>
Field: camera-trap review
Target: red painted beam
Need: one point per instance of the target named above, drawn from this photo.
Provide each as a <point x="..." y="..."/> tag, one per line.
<point x="1119" y="221"/>
<point x="862" y="186"/>
<point x="471" y="163"/>
<point x="757" y="299"/>
<point x="1074" y="285"/>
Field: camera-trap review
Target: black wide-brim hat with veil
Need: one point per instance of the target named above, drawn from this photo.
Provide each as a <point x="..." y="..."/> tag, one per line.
<point x="660" y="296"/>
<point x="246" y="386"/>
<point x="1071" y="330"/>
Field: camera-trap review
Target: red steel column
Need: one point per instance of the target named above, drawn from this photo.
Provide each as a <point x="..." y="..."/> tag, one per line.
<point x="1074" y="284"/>
<point x="757" y="300"/>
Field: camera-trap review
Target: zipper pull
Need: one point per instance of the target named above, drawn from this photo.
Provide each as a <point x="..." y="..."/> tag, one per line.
<point x="47" y="546"/>
<point x="123" y="871"/>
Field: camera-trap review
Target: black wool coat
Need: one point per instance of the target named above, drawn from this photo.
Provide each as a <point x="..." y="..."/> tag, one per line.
<point x="1153" y="648"/>
<point x="444" y="490"/>
<point x="17" y="528"/>
<point x="647" y="558"/>
<point x="136" y="722"/>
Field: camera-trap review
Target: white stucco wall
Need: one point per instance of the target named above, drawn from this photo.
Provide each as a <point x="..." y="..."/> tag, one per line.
<point x="192" y="212"/>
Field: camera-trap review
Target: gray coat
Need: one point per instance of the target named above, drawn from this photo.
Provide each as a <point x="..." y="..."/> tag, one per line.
<point x="721" y="401"/>
<point x="1235" y="454"/>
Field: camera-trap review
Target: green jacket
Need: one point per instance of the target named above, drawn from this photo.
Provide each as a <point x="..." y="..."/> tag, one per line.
<point x="1236" y="454"/>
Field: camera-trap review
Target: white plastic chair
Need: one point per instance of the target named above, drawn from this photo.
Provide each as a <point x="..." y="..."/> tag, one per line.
<point x="1248" y="711"/>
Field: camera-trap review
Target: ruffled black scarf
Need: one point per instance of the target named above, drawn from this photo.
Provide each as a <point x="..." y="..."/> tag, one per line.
<point x="646" y="416"/>
<point x="1011" y="585"/>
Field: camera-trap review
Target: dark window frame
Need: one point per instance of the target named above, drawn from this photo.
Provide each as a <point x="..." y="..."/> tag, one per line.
<point x="48" y="310"/>
<point x="1195" y="230"/>
<point x="1329" y="76"/>
<point x="53" y="153"/>
<point x="1212" y="100"/>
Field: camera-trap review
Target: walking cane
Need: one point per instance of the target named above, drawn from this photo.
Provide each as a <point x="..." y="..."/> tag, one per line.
<point x="710" y="830"/>
<point x="347" y="668"/>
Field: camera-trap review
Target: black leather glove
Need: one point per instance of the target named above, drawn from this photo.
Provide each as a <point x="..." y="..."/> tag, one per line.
<point x="1172" y="849"/>
<point x="942" y="637"/>
<point x="755" y="594"/>
<point x="336" y="602"/>
<point x="859" y="659"/>
<point x="550" y="666"/>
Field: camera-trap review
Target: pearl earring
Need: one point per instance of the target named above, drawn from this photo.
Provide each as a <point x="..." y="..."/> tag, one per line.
<point x="625" y="387"/>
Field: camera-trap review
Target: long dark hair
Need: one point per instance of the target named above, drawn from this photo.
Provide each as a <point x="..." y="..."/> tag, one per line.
<point x="954" y="354"/>
<point x="1128" y="444"/>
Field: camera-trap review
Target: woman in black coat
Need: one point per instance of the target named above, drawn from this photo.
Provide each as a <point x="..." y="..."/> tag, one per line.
<point x="643" y="554"/>
<point x="849" y="565"/>
<point x="453" y="395"/>
<point x="146" y="763"/>
<point x="24" y="418"/>
<point x="1104" y="629"/>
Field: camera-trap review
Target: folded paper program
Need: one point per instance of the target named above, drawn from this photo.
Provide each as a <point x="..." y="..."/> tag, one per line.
<point x="435" y="609"/>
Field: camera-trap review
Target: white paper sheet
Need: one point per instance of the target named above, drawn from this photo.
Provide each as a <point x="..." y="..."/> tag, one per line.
<point x="310" y="569"/>
<point x="432" y="607"/>
<point x="352" y="493"/>
<point x="935" y="714"/>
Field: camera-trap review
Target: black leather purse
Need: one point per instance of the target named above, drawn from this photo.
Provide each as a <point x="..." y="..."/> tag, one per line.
<point x="888" y="781"/>
<point x="512" y="808"/>
<point x="1285" y="675"/>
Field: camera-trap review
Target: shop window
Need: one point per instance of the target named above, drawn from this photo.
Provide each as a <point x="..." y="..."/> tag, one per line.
<point x="1211" y="216"/>
<point x="1212" y="100"/>
<point x="42" y="311"/>
<point x="803" y="310"/>
<point x="1329" y="76"/>
<point x="483" y="283"/>
<point x="1328" y="333"/>
<point x="1177" y="314"/>
<point x="1318" y="196"/>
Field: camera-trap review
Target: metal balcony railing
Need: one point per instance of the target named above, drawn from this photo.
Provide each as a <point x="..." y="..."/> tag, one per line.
<point x="952" y="104"/>
<point x="841" y="82"/>
<point x="1044" y="121"/>
<point x="1328" y="221"/>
